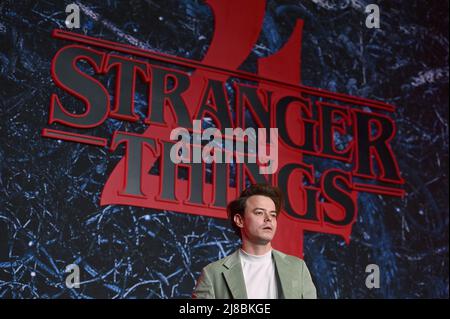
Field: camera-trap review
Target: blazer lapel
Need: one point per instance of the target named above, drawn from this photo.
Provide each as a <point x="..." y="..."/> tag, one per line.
<point x="289" y="285"/>
<point x="234" y="276"/>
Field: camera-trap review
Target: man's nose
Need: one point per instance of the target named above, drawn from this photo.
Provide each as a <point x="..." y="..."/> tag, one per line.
<point x="268" y="217"/>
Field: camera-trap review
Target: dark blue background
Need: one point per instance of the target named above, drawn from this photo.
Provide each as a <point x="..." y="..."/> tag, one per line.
<point x="49" y="191"/>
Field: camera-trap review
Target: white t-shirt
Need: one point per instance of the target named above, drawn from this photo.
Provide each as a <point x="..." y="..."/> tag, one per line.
<point x="259" y="275"/>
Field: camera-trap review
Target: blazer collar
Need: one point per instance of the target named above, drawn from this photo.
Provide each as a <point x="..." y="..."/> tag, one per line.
<point x="234" y="276"/>
<point x="289" y="284"/>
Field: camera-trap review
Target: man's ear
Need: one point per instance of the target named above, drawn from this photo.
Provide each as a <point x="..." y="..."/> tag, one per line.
<point x="238" y="220"/>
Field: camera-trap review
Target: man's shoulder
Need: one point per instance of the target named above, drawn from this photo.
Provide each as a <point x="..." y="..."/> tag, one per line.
<point x="219" y="264"/>
<point x="290" y="259"/>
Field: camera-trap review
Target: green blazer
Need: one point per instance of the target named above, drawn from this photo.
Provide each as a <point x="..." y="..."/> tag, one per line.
<point x="224" y="279"/>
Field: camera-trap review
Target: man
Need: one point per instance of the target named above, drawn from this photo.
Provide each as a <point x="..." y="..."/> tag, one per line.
<point x="256" y="271"/>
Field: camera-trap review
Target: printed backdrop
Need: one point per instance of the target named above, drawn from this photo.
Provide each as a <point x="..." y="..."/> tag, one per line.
<point x="50" y="213"/>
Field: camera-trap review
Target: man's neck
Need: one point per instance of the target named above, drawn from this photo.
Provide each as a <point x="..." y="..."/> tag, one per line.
<point x="256" y="250"/>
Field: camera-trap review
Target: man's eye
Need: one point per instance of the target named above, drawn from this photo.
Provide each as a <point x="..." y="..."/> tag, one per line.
<point x="258" y="212"/>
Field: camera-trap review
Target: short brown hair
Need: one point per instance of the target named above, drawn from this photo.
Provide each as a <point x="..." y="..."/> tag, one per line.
<point x="238" y="205"/>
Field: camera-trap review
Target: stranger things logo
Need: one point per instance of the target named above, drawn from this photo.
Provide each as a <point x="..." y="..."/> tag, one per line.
<point x="313" y="125"/>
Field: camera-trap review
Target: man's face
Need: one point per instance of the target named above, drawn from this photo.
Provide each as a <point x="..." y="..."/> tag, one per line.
<point x="259" y="222"/>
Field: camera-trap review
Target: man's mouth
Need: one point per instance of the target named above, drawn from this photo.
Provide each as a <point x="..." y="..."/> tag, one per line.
<point x="267" y="228"/>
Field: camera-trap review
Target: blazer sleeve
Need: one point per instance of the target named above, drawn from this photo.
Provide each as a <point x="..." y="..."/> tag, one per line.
<point x="204" y="288"/>
<point x="309" y="290"/>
